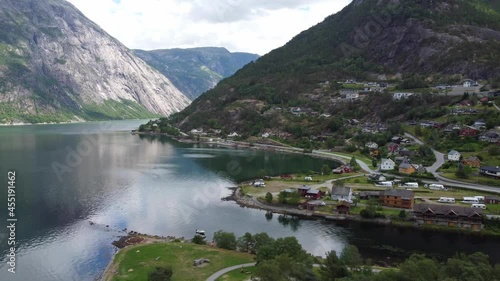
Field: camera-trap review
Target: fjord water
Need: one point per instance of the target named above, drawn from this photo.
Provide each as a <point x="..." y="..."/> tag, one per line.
<point x="68" y="175"/>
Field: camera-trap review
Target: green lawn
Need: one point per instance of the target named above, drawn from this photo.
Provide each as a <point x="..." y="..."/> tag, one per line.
<point x="179" y="256"/>
<point x="238" y="275"/>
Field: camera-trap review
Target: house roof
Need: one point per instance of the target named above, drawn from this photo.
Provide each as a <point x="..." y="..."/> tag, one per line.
<point x="472" y="159"/>
<point x="388" y="160"/>
<point x="453" y="152"/>
<point x="491" y="197"/>
<point x="369" y="193"/>
<point x="313" y="191"/>
<point x="405" y="165"/>
<point x="344" y="191"/>
<point x="444" y="210"/>
<point x="490" y="168"/>
<point x="304" y="187"/>
<point x="404" y="194"/>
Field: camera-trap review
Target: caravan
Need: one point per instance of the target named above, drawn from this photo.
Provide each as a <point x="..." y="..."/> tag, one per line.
<point x="384" y="184"/>
<point x="446" y="200"/>
<point x="479" y="206"/>
<point x="436" y="186"/>
<point x="470" y="200"/>
<point x="409" y="185"/>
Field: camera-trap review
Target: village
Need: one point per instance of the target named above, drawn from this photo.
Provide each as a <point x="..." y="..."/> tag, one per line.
<point x="353" y="195"/>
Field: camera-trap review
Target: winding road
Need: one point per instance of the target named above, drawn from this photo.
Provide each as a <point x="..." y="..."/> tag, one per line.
<point x="221" y="272"/>
<point x="442" y="180"/>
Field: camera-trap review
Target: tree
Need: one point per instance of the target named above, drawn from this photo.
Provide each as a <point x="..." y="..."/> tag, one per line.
<point x="332" y="268"/>
<point x="160" y="274"/>
<point x="261" y="239"/>
<point x="293" y="198"/>
<point x="283" y="268"/>
<point x="351" y="257"/>
<point x="269" y="197"/>
<point x="225" y="240"/>
<point x="246" y="243"/>
<point x="288" y="245"/>
<point x="402" y="214"/>
<point x="198" y="239"/>
<point x="282" y="197"/>
<point x="374" y="163"/>
<point x="325" y="170"/>
<point x="353" y="162"/>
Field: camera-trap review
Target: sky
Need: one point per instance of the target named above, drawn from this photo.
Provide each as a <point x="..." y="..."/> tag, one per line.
<point x="254" y="26"/>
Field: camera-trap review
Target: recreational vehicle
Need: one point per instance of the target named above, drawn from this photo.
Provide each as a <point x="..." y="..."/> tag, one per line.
<point x="409" y="185"/>
<point x="434" y="186"/>
<point x="446" y="200"/>
<point x="470" y="200"/>
<point x="384" y="183"/>
<point x="479" y="206"/>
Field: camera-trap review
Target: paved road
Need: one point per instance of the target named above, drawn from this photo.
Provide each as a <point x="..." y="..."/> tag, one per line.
<point x="221" y="272"/>
<point x="438" y="155"/>
<point x="362" y="164"/>
<point x="439" y="162"/>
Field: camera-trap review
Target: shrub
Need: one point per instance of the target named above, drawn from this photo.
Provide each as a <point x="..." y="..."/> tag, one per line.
<point x="160" y="274"/>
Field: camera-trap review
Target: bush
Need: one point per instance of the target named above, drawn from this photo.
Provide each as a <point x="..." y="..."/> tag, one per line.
<point x="225" y="240"/>
<point x="198" y="239"/>
<point x="160" y="274"/>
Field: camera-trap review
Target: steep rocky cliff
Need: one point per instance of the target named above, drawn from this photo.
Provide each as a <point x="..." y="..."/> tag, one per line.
<point x="57" y="65"/>
<point x="197" y="70"/>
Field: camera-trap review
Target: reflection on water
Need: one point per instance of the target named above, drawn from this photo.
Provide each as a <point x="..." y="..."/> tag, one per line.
<point x="154" y="185"/>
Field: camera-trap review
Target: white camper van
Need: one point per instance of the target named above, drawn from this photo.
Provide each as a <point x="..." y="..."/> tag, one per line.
<point x="470" y="200"/>
<point x="410" y="185"/>
<point x="434" y="186"/>
<point x="446" y="200"/>
<point x="384" y="184"/>
<point x="479" y="206"/>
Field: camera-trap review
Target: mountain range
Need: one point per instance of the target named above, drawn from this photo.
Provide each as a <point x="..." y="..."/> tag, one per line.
<point x="57" y="65"/>
<point x="196" y="70"/>
<point x="408" y="43"/>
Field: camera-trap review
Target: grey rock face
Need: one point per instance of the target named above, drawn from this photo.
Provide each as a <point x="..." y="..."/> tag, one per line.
<point x="53" y="59"/>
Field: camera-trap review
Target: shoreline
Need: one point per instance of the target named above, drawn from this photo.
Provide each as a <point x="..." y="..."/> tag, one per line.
<point x="249" y="146"/>
<point x="142" y="239"/>
<point x="246" y="201"/>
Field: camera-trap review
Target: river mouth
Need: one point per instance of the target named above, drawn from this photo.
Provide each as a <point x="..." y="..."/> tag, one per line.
<point x="149" y="185"/>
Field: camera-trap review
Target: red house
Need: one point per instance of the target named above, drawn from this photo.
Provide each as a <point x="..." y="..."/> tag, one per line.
<point x="469" y="132"/>
<point x="303" y="190"/>
<point x="314" y="194"/>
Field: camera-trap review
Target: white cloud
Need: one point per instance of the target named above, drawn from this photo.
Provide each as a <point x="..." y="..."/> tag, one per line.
<point x="256" y="26"/>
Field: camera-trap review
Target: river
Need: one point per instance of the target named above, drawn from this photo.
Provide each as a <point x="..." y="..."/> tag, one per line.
<point x="68" y="175"/>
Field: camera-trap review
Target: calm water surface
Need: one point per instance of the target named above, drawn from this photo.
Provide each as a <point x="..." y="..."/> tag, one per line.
<point x="68" y="175"/>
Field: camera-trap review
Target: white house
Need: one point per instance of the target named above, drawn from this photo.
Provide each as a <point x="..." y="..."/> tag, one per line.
<point x="469" y="83"/>
<point x="454" y="155"/>
<point x="233" y="135"/>
<point x="342" y="194"/>
<point x="371" y="145"/>
<point x="398" y="96"/>
<point x="387" y="165"/>
<point x="266" y="135"/>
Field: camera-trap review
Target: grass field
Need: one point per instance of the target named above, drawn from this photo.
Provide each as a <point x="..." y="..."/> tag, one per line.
<point x="179" y="256"/>
<point x="237" y="275"/>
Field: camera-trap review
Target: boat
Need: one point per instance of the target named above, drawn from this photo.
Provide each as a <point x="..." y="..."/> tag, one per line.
<point x="200" y="232"/>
